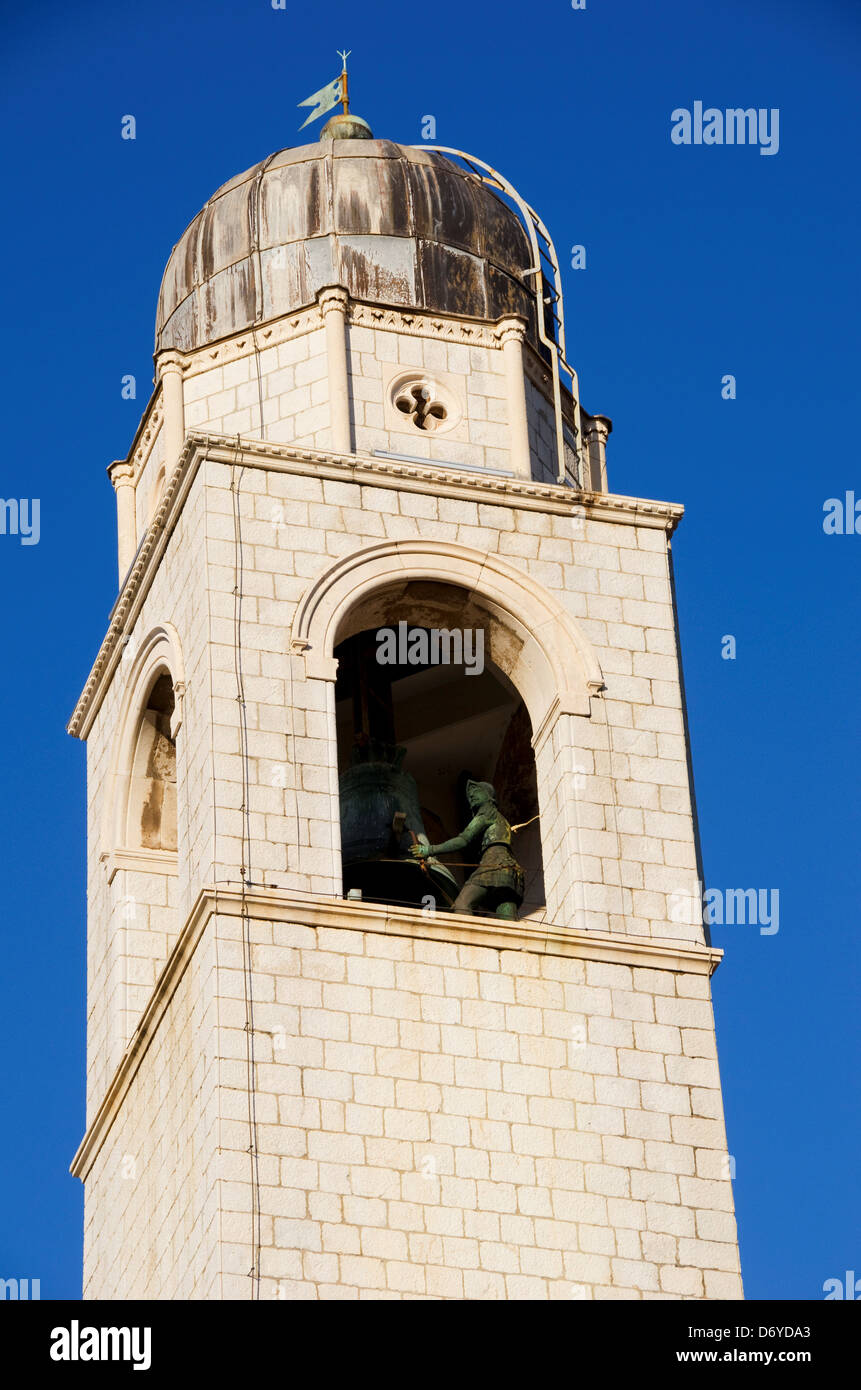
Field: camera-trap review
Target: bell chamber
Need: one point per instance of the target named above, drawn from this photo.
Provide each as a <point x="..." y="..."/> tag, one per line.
<point x="411" y="733"/>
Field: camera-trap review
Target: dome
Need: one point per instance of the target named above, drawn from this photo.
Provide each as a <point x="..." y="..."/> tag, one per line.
<point x="394" y="225"/>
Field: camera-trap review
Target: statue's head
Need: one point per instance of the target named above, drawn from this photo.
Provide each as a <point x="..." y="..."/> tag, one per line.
<point x="477" y="793"/>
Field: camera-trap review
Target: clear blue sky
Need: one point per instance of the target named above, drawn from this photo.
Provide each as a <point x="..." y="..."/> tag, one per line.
<point x="701" y="261"/>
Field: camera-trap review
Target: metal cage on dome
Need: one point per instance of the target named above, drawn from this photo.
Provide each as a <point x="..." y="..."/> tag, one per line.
<point x="550" y="310"/>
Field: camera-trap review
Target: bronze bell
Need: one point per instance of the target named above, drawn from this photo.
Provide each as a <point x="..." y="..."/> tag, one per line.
<point x="380" y="820"/>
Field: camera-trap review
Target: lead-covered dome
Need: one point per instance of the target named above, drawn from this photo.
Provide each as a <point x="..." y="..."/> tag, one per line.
<point x="394" y="225"/>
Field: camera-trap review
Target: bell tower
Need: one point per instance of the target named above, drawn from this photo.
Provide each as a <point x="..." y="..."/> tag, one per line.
<point x="389" y="802"/>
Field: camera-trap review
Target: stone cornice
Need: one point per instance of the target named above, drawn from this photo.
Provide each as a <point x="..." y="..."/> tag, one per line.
<point x="258" y="338"/>
<point x="266" y="335"/>
<point x="428" y="478"/>
<point x="529" y="934"/>
<point x="282" y="905"/>
<point x="148" y="861"/>
<point x="414" y="322"/>
<point x="136" y="586"/>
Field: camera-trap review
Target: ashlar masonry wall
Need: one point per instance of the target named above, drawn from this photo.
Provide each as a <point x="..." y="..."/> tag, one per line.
<point x="433" y="1118"/>
<point x="463" y="1121"/>
<point x="445" y="1109"/>
<point x="153" y="1207"/>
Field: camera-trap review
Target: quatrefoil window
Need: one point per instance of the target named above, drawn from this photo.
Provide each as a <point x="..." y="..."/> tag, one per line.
<point x="420" y="402"/>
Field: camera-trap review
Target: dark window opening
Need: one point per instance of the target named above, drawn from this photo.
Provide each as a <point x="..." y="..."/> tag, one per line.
<point x="411" y="733"/>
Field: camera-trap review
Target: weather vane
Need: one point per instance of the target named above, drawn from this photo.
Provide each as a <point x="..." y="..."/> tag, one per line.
<point x="331" y="94"/>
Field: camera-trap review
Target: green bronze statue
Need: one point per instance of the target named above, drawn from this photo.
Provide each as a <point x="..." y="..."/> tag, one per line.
<point x="497" y="882"/>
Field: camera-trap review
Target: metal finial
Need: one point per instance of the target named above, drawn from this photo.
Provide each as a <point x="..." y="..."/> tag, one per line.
<point x="345" y="100"/>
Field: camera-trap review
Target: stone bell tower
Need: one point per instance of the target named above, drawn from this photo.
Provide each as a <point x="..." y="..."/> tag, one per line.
<point x="309" y="1077"/>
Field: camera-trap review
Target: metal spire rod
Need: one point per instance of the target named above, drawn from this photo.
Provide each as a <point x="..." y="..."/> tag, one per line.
<point x="345" y="100"/>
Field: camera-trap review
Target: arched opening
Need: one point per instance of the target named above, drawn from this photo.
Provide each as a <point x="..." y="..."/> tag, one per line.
<point x="150" y="821"/>
<point x="423" y="706"/>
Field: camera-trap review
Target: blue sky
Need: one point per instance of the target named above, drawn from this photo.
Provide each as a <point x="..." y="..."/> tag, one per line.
<point x="702" y="261"/>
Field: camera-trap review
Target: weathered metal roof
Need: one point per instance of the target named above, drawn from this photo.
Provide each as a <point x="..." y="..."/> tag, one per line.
<point x="394" y="225"/>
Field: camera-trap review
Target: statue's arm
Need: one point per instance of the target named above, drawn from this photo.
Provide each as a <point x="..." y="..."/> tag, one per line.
<point x="449" y="846"/>
<point x="475" y="827"/>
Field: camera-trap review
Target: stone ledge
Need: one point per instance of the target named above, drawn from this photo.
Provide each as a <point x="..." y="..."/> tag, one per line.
<point x="529" y="934"/>
<point x="146" y="861"/>
<point x="284" y="905"/>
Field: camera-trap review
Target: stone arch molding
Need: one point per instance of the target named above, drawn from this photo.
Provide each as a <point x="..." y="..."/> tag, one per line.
<point x="145" y="659"/>
<point x="555" y="669"/>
